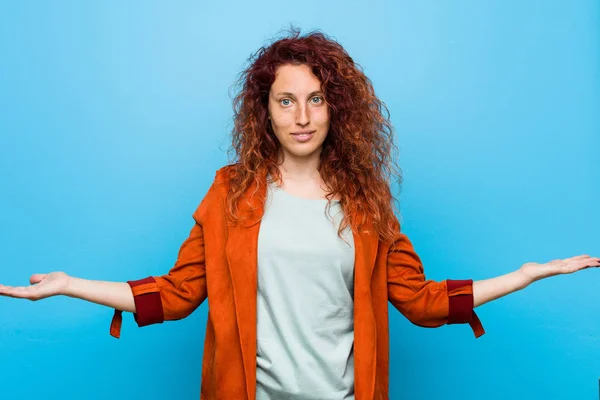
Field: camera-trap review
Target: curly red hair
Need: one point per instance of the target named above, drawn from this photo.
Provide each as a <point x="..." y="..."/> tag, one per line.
<point x="356" y="160"/>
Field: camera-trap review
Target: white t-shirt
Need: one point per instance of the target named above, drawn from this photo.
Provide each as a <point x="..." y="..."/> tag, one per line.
<point x="305" y="305"/>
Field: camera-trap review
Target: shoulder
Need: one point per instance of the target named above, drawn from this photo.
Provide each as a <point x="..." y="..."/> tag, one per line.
<point x="214" y="198"/>
<point x="224" y="174"/>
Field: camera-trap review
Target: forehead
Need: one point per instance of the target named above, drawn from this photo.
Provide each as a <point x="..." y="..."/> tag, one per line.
<point x="295" y="79"/>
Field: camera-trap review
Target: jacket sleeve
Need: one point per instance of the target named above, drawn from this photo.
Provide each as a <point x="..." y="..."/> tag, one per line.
<point x="178" y="293"/>
<point x="425" y="302"/>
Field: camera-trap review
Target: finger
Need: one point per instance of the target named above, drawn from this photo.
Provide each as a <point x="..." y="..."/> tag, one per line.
<point x="20" y="292"/>
<point x="37" y="278"/>
<point x="584" y="264"/>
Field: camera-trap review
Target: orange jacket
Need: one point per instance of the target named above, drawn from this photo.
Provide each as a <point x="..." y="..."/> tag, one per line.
<point x="219" y="261"/>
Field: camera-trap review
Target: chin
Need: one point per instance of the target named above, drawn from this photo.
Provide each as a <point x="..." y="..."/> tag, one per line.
<point x="303" y="152"/>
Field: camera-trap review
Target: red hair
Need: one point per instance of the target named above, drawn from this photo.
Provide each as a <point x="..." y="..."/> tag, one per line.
<point x="356" y="161"/>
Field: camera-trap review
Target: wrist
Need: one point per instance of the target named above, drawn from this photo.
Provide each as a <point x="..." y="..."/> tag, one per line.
<point x="69" y="289"/>
<point x="525" y="279"/>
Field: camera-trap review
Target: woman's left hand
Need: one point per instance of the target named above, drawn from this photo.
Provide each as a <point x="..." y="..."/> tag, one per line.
<point x="534" y="271"/>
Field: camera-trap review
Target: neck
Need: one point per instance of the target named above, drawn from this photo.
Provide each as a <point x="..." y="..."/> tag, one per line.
<point x="300" y="168"/>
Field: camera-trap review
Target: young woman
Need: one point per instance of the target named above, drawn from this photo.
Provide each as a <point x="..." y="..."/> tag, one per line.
<point x="296" y="244"/>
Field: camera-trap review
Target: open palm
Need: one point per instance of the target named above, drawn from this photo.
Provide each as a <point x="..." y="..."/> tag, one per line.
<point x="537" y="271"/>
<point x="42" y="286"/>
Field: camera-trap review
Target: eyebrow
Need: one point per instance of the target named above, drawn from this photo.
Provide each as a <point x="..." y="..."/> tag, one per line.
<point x="292" y="94"/>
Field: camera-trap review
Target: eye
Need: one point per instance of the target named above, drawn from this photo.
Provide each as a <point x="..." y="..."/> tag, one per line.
<point x="285" y="102"/>
<point x="317" y="98"/>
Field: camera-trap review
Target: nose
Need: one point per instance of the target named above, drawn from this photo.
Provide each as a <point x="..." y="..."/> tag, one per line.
<point x="302" y="115"/>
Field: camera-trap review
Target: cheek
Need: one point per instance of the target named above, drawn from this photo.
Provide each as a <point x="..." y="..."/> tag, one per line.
<point x="280" y="124"/>
<point x="281" y="120"/>
<point x="321" y="116"/>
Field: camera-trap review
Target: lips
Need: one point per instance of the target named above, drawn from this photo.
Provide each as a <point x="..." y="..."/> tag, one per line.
<point x="303" y="136"/>
<point x="302" y="132"/>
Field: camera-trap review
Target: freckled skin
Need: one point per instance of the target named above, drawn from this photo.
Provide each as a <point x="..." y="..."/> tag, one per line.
<point x="302" y="108"/>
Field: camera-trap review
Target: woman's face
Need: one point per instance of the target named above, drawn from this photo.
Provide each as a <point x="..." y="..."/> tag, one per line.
<point x="298" y="112"/>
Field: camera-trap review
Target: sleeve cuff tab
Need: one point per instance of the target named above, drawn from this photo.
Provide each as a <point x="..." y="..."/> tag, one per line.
<point x="115" y="324"/>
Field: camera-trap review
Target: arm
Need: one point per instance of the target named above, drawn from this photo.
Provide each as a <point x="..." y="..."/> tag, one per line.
<point x="112" y="294"/>
<point x="494" y="288"/>
<point x="425" y="302"/>
<point x="153" y="300"/>
<point x="172" y="296"/>
<point x="431" y="304"/>
<point x="178" y="293"/>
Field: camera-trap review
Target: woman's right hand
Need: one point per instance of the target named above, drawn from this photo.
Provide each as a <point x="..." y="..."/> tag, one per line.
<point x="42" y="286"/>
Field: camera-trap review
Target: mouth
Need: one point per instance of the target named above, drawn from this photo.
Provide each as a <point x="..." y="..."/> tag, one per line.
<point x="303" y="136"/>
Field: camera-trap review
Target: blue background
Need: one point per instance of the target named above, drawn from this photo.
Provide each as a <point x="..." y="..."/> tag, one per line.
<point x="115" y="115"/>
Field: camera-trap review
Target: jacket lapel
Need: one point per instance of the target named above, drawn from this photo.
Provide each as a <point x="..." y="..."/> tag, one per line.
<point x="242" y="255"/>
<point x="365" y="335"/>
